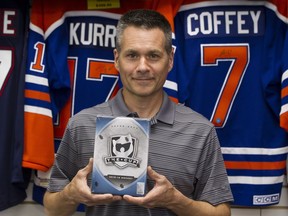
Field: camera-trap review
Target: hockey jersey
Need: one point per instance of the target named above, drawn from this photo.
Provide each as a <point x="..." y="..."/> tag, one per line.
<point x="71" y="67"/>
<point x="230" y="70"/>
<point x="13" y="34"/>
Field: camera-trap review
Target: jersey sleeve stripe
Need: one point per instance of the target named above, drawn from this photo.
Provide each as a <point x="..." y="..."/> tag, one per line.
<point x="284" y="92"/>
<point x="38" y="110"/>
<point x="255" y="180"/>
<point x="255" y="151"/>
<point x="284" y="102"/>
<point x="284" y="76"/>
<point x="284" y="96"/>
<point x="171" y="85"/>
<point x="36" y="29"/>
<point x="284" y="109"/>
<point x="37" y="95"/>
<point x="224" y="3"/>
<point x="60" y="21"/>
<point x="249" y="165"/>
<point x="284" y="117"/>
<point x="255" y="158"/>
<point x="36" y="87"/>
<point x="37" y="103"/>
<point x="246" y="172"/>
<point x="36" y="80"/>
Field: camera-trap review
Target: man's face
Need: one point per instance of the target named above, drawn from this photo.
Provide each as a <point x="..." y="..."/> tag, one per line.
<point x="143" y="62"/>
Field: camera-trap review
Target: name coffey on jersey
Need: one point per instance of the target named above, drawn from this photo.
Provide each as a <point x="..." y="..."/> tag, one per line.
<point x="92" y="34"/>
<point x="228" y="23"/>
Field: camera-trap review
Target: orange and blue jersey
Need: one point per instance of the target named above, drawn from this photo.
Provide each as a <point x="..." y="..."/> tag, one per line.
<point x="71" y="67"/>
<point x="232" y="69"/>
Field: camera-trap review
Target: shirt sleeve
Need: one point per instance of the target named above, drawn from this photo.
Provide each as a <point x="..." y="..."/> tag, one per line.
<point x="212" y="182"/>
<point x="65" y="166"/>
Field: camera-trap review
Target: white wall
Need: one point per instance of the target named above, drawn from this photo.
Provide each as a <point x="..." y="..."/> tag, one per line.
<point x="30" y="208"/>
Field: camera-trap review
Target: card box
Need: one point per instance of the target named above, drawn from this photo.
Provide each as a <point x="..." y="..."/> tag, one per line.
<point x="120" y="155"/>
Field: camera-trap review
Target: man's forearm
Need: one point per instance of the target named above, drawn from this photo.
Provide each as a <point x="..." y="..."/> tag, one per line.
<point x="183" y="206"/>
<point x="59" y="204"/>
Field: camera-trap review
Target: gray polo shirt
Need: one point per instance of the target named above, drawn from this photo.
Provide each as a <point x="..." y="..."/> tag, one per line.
<point x="183" y="146"/>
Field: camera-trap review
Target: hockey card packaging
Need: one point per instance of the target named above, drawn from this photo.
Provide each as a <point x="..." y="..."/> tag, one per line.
<point x="120" y="155"/>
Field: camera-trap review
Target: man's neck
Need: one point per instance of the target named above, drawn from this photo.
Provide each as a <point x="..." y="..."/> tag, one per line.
<point x="145" y="107"/>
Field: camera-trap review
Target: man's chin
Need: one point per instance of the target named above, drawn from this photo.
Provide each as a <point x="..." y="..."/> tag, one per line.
<point x="142" y="91"/>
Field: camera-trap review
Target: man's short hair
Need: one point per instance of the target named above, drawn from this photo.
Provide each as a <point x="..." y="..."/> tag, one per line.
<point x="147" y="19"/>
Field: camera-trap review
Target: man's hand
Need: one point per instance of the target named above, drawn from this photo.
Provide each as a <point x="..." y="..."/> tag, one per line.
<point x="165" y="195"/>
<point x="160" y="196"/>
<point x="79" y="192"/>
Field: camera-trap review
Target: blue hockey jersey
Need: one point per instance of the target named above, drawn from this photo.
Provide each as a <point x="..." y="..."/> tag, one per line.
<point x="232" y="70"/>
<point x="13" y="34"/>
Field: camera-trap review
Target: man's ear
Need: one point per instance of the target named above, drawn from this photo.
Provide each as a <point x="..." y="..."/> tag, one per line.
<point x="171" y="60"/>
<point x="116" y="59"/>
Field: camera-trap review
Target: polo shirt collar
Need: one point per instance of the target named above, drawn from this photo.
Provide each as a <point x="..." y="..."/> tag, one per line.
<point x="166" y="113"/>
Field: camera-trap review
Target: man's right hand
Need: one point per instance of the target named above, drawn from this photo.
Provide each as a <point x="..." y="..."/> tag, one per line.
<point x="65" y="202"/>
<point x="78" y="190"/>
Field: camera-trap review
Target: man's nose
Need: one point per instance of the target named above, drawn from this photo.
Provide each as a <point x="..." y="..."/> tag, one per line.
<point x="143" y="64"/>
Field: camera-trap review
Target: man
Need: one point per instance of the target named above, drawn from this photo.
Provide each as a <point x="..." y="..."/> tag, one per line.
<point x="186" y="170"/>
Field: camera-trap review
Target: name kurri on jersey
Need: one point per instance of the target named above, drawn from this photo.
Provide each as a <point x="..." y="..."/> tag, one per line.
<point x="92" y="34"/>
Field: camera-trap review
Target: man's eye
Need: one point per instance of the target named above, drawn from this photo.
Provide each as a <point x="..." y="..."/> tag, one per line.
<point x="131" y="56"/>
<point x="154" y="56"/>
